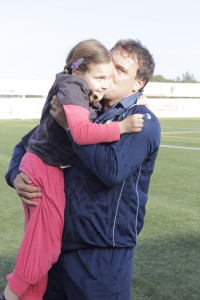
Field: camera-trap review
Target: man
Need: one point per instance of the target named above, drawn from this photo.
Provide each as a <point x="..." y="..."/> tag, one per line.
<point x="106" y="191"/>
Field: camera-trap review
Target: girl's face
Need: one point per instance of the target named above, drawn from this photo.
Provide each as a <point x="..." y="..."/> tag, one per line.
<point x="99" y="78"/>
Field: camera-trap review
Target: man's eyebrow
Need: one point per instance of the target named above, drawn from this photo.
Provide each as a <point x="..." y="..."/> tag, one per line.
<point x="121" y="67"/>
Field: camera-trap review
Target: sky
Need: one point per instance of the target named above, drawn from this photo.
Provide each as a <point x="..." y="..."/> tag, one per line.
<point x="36" y="35"/>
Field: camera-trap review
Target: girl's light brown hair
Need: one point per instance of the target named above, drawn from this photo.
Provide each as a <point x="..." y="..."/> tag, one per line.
<point x="92" y="52"/>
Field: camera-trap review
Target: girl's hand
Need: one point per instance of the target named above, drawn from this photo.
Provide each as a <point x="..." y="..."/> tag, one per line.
<point x="143" y="100"/>
<point x="133" y="123"/>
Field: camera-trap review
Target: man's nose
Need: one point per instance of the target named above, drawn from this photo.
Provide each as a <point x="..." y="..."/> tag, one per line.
<point x="114" y="75"/>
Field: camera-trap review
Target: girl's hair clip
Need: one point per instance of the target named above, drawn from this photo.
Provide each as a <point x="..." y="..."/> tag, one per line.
<point x="76" y="64"/>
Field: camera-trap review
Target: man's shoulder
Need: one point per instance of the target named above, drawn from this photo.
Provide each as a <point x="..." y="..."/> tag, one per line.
<point x="151" y="127"/>
<point x="145" y="111"/>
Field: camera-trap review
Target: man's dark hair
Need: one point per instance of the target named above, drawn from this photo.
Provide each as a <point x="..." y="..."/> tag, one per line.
<point x="139" y="53"/>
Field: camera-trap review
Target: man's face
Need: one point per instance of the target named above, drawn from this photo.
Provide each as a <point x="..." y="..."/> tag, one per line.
<point x="124" y="77"/>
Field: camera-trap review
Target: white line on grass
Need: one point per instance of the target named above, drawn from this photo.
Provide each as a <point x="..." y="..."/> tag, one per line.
<point x="178" y="147"/>
<point x="175" y="132"/>
<point x="180" y="128"/>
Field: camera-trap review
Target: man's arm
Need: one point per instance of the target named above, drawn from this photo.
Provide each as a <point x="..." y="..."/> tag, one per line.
<point x="115" y="162"/>
<point x="13" y="168"/>
<point x="112" y="163"/>
<point x="20" y="181"/>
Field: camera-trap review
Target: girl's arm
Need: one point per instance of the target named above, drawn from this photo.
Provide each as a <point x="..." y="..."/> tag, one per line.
<point x="85" y="133"/>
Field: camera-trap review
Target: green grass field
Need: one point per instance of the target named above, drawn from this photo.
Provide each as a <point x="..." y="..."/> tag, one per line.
<point x="166" y="262"/>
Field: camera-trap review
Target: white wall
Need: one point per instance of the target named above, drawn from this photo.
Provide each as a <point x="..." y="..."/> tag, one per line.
<point x="175" y="107"/>
<point x="21" y="108"/>
<point x="166" y="99"/>
<point x="174" y="99"/>
<point x="163" y="89"/>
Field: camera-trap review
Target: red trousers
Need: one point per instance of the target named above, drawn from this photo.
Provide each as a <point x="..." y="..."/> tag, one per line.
<point x="41" y="245"/>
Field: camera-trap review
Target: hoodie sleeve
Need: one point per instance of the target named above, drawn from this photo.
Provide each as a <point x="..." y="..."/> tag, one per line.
<point x="73" y="90"/>
<point x="85" y="132"/>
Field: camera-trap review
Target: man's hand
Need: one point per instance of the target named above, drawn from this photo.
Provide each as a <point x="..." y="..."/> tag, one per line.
<point x="25" y="191"/>
<point x="133" y="123"/>
<point x="58" y="113"/>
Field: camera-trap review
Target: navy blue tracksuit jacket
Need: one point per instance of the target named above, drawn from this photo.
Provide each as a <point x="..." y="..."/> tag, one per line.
<point x="107" y="188"/>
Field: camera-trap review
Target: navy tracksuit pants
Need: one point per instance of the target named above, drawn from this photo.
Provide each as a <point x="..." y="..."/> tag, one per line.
<point x="90" y="274"/>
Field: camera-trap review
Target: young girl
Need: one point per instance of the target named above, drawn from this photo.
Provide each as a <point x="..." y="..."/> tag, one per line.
<point x="87" y="74"/>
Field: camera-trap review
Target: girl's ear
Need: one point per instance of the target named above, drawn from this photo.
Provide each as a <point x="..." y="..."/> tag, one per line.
<point x="76" y="72"/>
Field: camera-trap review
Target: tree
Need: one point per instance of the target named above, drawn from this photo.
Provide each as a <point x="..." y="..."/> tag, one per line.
<point x="186" y="78"/>
<point x="160" y="78"/>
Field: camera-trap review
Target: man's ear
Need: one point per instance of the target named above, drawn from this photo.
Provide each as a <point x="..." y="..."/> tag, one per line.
<point x="138" y="85"/>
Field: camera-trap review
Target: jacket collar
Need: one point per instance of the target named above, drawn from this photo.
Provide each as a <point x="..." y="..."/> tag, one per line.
<point x="128" y="102"/>
<point x="119" y="109"/>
